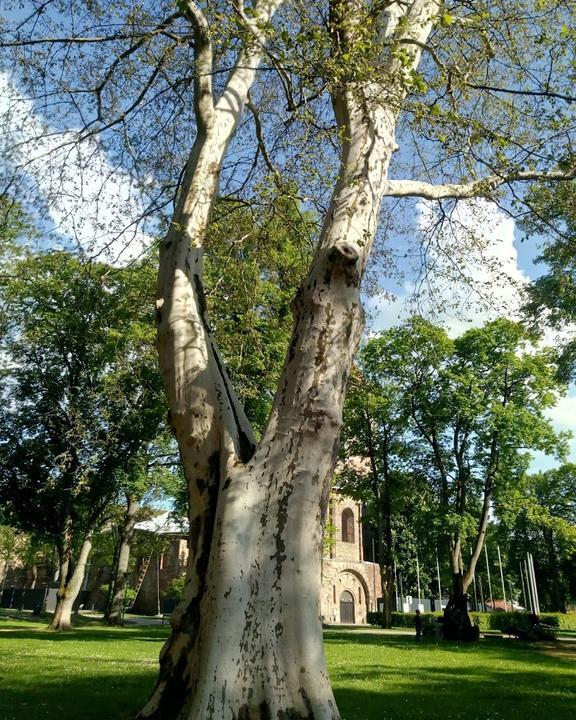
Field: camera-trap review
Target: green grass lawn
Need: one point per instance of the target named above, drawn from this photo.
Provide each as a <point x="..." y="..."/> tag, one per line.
<point x="97" y="673"/>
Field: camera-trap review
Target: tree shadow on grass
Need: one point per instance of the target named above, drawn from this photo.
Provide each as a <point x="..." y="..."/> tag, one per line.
<point x="430" y="701"/>
<point x="116" y="696"/>
<point x="84" y="634"/>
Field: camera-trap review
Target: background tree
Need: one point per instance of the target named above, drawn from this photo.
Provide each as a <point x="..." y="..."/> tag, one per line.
<point x="477" y="406"/>
<point x="366" y="78"/>
<point x="151" y="475"/>
<point x="80" y="398"/>
<point x="552" y="296"/>
<point x="379" y="467"/>
<point x="538" y="515"/>
<point x="256" y="257"/>
<point x="12" y="547"/>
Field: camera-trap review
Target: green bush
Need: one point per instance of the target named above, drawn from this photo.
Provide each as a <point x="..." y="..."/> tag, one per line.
<point x="175" y="589"/>
<point x="497" y="620"/>
<point x="485" y="621"/>
<point x="566" y="621"/>
<point x="406" y="620"/>
<point x="375" y="618"/>
<point x="129" y="594"/>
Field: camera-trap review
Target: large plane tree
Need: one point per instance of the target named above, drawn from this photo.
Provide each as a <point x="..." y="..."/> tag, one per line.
<point x="466" y="98"/>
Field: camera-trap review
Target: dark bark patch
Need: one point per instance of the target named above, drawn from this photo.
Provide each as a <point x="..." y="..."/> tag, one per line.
<point x="246" y="447"/>
<point x="260" y="712"/>
<point x="280" y="556"/>
<point x="342" y="259"/>
<point x="195" y="530"/>
<point x="307" y="702"/>
<point x="292" y="714"/>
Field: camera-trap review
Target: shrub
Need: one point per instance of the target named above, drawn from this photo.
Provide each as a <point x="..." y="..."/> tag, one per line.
<point x="375" y="618"/>
<point x="407" y="619"/>
<point x="497" y="620"/>
<point x="429" y="621"/>
<point x="175" y="589"/>
<point x="129" y="594"/>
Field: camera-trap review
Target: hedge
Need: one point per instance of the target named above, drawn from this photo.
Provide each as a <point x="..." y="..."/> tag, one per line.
<point x="498" y="619"/>
<point x="429" y="620"/>
<point x="486" y="621"/>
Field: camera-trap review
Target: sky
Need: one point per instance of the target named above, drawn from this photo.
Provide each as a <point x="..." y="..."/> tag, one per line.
<point x="96" y="203"/>
<point x="479" y="284"/>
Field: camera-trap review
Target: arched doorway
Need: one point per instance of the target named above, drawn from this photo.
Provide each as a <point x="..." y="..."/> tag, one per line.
<point x="347" y="608"/>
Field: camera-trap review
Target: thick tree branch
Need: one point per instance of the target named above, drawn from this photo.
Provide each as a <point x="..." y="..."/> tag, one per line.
<point x="477" y="188"/>
<point x="204" y="64"/>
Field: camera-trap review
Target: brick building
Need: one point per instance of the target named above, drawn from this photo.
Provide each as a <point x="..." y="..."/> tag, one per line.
<point x="350" y="584"/>
<point x="154" y="572"/>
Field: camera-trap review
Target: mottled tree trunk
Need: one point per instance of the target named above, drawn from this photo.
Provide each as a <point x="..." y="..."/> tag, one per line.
<point x="247" y="637"/>
<point x="114" y="614"/>
<point x="456" y="622"/>
<point x="70" y="586"/>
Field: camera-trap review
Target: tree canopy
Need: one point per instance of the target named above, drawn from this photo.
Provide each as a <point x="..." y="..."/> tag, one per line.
<point x="81" y="395"/>
<point x="462" y="414"/>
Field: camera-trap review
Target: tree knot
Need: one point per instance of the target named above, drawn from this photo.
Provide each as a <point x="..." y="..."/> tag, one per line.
<point x="343" y="260"/>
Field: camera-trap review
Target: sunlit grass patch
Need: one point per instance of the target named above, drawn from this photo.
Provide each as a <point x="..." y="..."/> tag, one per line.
<point x="392" y="677"/>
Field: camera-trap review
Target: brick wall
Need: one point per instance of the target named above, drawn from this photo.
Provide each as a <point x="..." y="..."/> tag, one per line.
<point x="161" y="571"/>
<point x="345" y="569"/>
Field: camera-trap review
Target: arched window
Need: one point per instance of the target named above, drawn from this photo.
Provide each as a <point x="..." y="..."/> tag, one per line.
<point x="348" y="526"/>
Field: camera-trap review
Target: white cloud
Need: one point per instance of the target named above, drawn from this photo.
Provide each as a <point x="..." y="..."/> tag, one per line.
<point x="471" y="271"/>
<point x="564" y="413"/>
<point x="86" y="199"/>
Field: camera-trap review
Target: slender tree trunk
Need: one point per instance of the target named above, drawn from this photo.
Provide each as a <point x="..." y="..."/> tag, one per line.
<point x="31" y="576"/>
<point x="382" y="494"/>
<point x="457" y="624"/>
<point x="557" y="595"/>
<point x="388" y="593"/>
<point x="70" y="585"/>
<point x="115" y="612"/>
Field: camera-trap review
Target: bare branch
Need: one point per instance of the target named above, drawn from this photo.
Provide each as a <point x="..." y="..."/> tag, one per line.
<point x="477" y="188"/>
<point x="78" y="39"/>
<point x="260" y="137"/>
<point x="528" y="93"/>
